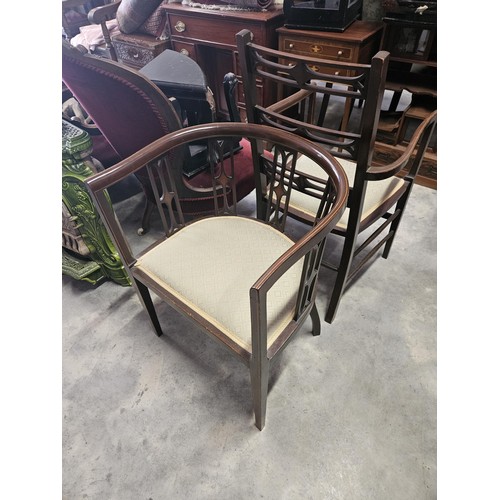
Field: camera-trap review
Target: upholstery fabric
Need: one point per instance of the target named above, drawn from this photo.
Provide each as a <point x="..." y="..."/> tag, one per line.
<point x="375" y="192"/>
<point x="91" y="36"/>
<point x="115" y="118"/>
<point x="131" y="14"/>
<point x="215" y="280"/>
<point x="155" y="23"/>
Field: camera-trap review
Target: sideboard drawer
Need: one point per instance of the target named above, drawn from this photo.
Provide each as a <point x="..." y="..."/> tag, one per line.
<point x="188" y="49"/>
<point x="209" y="38"/>
<point x="198" y="29"/>
<point x="322" y="50"/>
<point x="216" y="31"/>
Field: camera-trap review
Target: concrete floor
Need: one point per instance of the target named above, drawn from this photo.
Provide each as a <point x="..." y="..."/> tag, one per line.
<point x="351" y="413"/>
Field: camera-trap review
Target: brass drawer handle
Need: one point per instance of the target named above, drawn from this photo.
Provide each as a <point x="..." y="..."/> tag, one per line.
<point x="184" y="52"/>
<point x="180" y="26"/>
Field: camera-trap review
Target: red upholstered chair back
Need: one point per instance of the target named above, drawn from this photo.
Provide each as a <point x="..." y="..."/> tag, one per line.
<point x="131" y="112"/>
<point x="129" y="109"/>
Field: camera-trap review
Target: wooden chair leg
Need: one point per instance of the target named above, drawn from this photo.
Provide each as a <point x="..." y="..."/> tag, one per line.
<point x="147" y="303"/>
<point x="395" y="224"/>
<point x="315" y="320"/>
<point x="259" y="375"/>
<point x="341" y="278"/>
<point x="146" y="217"/>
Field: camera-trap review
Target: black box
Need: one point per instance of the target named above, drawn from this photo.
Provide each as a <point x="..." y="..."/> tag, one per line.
<point x="322" y="15"/>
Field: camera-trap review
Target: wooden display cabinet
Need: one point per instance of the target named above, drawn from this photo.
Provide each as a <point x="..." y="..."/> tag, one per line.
<point x="411" y="39"/>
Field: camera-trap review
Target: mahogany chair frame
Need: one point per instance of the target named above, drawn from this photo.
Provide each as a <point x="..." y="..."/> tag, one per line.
<point x="303" y="82"/>
<point x="159" y="160"/>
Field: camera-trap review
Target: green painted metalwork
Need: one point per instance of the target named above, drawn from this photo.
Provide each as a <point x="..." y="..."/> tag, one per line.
<point x="80" y="269"/>
<point x="76" y="167"/>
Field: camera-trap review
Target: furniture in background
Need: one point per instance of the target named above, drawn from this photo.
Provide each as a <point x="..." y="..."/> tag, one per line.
<point x="205" y="35"/>
<point x="377" y="198"/>
<point x="357" y="44"/>
<point x="179" y="77"/>
<point x="75" y="15"/>
<point x="410" y="36"/>
<point x="208" y="37"/>
<point x="239" y="278"/>
<point x="132" y="32"/>
<point x="88" y="252"/>
<point x="131" y="112"/>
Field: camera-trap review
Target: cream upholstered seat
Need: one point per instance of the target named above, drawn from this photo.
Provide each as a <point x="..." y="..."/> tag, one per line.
<point x="377" y="195"/>
<point x="239" y="243"/>
<point x="239" y="278"/>
<point x="307" y="89"/>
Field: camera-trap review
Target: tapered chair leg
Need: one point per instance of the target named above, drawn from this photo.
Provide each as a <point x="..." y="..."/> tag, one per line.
<point x="341" y="279"/>
<point x="259" y="375"/>
<point x="395" y="224"/>
<point x="146" y="217"/>
<point x="147" y="303"/>
<point x="316" y="321"/>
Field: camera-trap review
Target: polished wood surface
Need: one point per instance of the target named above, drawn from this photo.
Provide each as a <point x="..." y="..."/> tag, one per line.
<point x="208" y="37"/>
<point x="358" y="43"/>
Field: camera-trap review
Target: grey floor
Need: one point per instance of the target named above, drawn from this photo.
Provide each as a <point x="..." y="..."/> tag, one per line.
<point x="351" y="413"/>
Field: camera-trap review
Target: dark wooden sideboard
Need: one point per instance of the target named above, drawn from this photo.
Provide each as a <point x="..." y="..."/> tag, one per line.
<point x="357" y="44"/>
<point x="208" y="37"/>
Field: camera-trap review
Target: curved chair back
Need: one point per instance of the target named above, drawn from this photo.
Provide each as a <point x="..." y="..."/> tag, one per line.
<point x="129" y="109"/>
<point x="241" y="279"/>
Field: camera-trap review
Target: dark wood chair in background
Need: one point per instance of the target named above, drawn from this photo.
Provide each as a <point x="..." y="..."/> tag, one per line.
<point x="130" y="112"/>
<point x="307" y="87"/>
<point x="239" y="278"/>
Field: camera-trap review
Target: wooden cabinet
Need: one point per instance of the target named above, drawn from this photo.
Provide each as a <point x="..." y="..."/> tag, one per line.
<point x="358" y="43"/>
<point x="209" y="37"/>
<point x="411" y="40"/>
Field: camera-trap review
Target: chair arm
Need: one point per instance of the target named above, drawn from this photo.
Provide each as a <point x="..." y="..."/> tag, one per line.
<point x="289" y="101"/>
<point x="100" y="15"/>
<point x="104" y="13"/>
<point x="309" y="247"/>
<point x="298" y="250"/>
<point x="421" y="136"/>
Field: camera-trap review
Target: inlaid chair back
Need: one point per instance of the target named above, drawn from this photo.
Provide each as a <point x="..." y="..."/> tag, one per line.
<point x="239" y="278"/>
<point x="337" y="105"/>
<point x="131" y="112"/>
